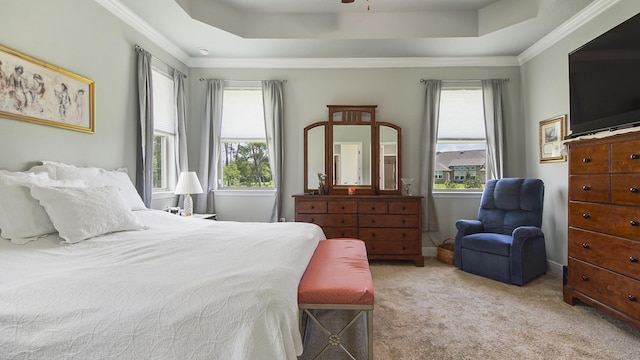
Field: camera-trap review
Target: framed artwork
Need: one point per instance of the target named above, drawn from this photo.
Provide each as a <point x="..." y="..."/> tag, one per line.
<point x="552" y="133"/>
<point x="32" y="90"/>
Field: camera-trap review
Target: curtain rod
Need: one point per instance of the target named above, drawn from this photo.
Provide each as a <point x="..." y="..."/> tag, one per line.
<point x="140" y="48"/>
<point x="462" y="80"/>
<point x="203" y="79"/>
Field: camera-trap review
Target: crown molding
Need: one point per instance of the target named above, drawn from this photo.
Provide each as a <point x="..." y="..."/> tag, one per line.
<point x="587" y="14"/>
<point x="352" y="63"/>
<point x="125" y="14"/>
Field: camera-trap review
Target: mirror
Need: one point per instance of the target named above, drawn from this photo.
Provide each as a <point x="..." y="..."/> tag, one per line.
<point x="314" y="154"/>
<point x="354" y="151"/>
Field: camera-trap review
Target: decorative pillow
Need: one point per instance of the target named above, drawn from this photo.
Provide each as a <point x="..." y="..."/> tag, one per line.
<point x="93" y="176"/>
<point x="22" y="219"/>
<point x="82" y="213"/>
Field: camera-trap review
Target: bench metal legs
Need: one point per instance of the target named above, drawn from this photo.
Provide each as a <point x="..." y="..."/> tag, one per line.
<point x="307" y="312"/>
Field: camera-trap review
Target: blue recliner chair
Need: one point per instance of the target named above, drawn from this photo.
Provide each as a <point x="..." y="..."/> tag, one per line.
<point x="505" y="243"/>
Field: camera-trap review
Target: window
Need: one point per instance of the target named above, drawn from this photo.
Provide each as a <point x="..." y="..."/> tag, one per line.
<point x="461" y="149"/>
<point x="164" y="131"/>
<point x="244" y="157"/>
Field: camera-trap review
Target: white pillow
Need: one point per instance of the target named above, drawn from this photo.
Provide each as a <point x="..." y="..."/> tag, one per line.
<point x="22" y="219"/>
<point x="82" y="213"/>
<point x="93" y="176"/>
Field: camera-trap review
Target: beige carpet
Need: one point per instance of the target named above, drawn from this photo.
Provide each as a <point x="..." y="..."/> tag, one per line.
<point x="439" y="312"/>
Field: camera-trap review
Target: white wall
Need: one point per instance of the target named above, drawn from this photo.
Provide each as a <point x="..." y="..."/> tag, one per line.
<point x="545" y="91"/>
<point x="86" y="39"/>
<point x="399" y="96"/>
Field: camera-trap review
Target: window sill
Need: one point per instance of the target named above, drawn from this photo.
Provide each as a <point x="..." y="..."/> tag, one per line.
<point x="247" y="193"/>
<point x="457" y="194"/>
<point x="163" y="195"/>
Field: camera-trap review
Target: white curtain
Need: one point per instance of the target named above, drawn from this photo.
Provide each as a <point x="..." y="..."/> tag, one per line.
<point x="493" y="94"/>
<point x="273" y="116"/>
<point x="144" y="153"/>
<point x="182" y="160"/>
<point x="428" y="139"/>
<point x="210" y="146"/>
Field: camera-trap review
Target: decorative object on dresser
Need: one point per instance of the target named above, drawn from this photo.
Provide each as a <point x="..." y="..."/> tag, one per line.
<point x="603" y="268"/>
<point x="506" y="242"/>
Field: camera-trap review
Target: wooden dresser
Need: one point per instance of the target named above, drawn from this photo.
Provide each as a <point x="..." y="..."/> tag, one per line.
<point x="604" y="225"/>
<point x="390" y="225"/>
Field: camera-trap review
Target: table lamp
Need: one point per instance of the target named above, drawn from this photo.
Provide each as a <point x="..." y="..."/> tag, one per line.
<point x="188" y="184"/>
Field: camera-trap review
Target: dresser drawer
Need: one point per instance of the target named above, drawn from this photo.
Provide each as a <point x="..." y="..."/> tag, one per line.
<point x="617" y="291"/>
<point x="372" y="207"/>
<point x="392" y="248"/>
<point x="344" y="207"/>
<point x="615" y="220"/>
<point x="589" y="160"/>
<point x="592" y="188"/>
<point x="404" y="207"/>
<point x="329" y="220"/>
<point x="625" y="189"/>
<point x="340" y="232"/>
<point x="396" y="221"/>
<point x="311" y="207"/>
<point x="389" y="234"/>
<point x="625" y="157"/>
<point x="616" y="254"/>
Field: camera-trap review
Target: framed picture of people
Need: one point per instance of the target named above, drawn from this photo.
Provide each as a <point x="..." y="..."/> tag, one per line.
<point x="32" y="90"/>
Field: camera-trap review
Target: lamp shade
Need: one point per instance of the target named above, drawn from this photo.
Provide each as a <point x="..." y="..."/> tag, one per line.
<point x="188" y="183"/>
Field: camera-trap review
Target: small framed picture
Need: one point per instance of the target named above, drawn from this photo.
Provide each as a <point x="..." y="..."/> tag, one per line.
<point x="552" y="134"/>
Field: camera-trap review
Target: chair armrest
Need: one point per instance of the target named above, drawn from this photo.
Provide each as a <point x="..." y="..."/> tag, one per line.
<point x="523" y="233"/>
<point x="466" y="227"/>
<point x="528" y="254"/>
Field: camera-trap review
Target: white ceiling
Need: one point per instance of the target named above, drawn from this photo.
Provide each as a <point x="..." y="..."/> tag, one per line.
<point x="277" y="31"/>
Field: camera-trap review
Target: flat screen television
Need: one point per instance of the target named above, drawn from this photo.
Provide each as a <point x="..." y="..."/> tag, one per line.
<point x="604" y="81"/>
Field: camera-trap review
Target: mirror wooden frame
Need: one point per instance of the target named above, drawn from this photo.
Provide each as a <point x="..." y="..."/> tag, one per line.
<point x="352" y="115"/>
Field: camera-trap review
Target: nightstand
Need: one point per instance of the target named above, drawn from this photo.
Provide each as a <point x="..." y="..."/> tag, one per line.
<point x="205" y="216"/>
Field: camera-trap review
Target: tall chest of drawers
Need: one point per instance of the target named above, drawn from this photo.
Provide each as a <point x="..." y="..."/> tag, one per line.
<point x="390" y="225"/>
<point x="603" y="268"/>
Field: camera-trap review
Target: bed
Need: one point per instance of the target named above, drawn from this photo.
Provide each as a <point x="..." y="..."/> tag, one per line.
<point x="165" y="287"/>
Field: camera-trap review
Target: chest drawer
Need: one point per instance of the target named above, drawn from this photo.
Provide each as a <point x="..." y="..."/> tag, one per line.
<point x="617" y="254"/>
<point x="344" y="207"/>
<point x="617" y="291"/>
<point x="625" y="157"/>
<point x="340" y="232"/>
<point x="388" y="234"/>
<point x="625" y="189"/>
<point x="614" y="220"/>
<point x="372" y="207"/>
<point x="386" y="247"/>
<point x="404" y="207"/>
<point x="396" y="221"/>
<point x="331" y="220"/>
<point x="311" y="207"/>
<point x="589" y="160"/>
<point x="592" y="188"/>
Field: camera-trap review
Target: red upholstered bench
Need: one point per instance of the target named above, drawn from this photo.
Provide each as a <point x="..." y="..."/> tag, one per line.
<point x="338" y="278"/>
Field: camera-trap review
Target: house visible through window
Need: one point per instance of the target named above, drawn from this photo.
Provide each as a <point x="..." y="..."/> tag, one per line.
<point x="164" y="131"/>
<point x="244" y="155"/>
<point x="461" y="149"/>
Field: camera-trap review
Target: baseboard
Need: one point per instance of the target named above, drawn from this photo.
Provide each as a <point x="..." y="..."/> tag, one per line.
<point x="554" y="267"/>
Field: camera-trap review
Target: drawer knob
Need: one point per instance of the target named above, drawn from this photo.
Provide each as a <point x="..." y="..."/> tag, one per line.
<point x="342" y="207"/>
<point x="586" y="188"/>
<point x="404" y="221"/>
<point x="632" y="298"/>
<point x="633" y="223"/>
<point x="586" y="216"/>
<point x="585" y="278"/>
<point x="373" y="234"/>
<point x="312" y="207"/>
<point x="585" y="245"/>
<point x="633" y="259"/>
<point x="633" y="190"/>
<point x="404" y="235"/>
<point x="404" y="248"/>
<point x="404" y="208"/>
<point x="586" y="160"/>
<point x="634" y="156"/>
<point x="341" y="221"/>
<point x="373" y="221"/>
<point x="373" y="208"/>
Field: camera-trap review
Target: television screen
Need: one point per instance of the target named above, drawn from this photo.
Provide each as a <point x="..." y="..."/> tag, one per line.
<point x="604" y="81"/>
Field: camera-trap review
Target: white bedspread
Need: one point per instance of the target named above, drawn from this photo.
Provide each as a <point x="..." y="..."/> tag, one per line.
<point x="184" y="289"/>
